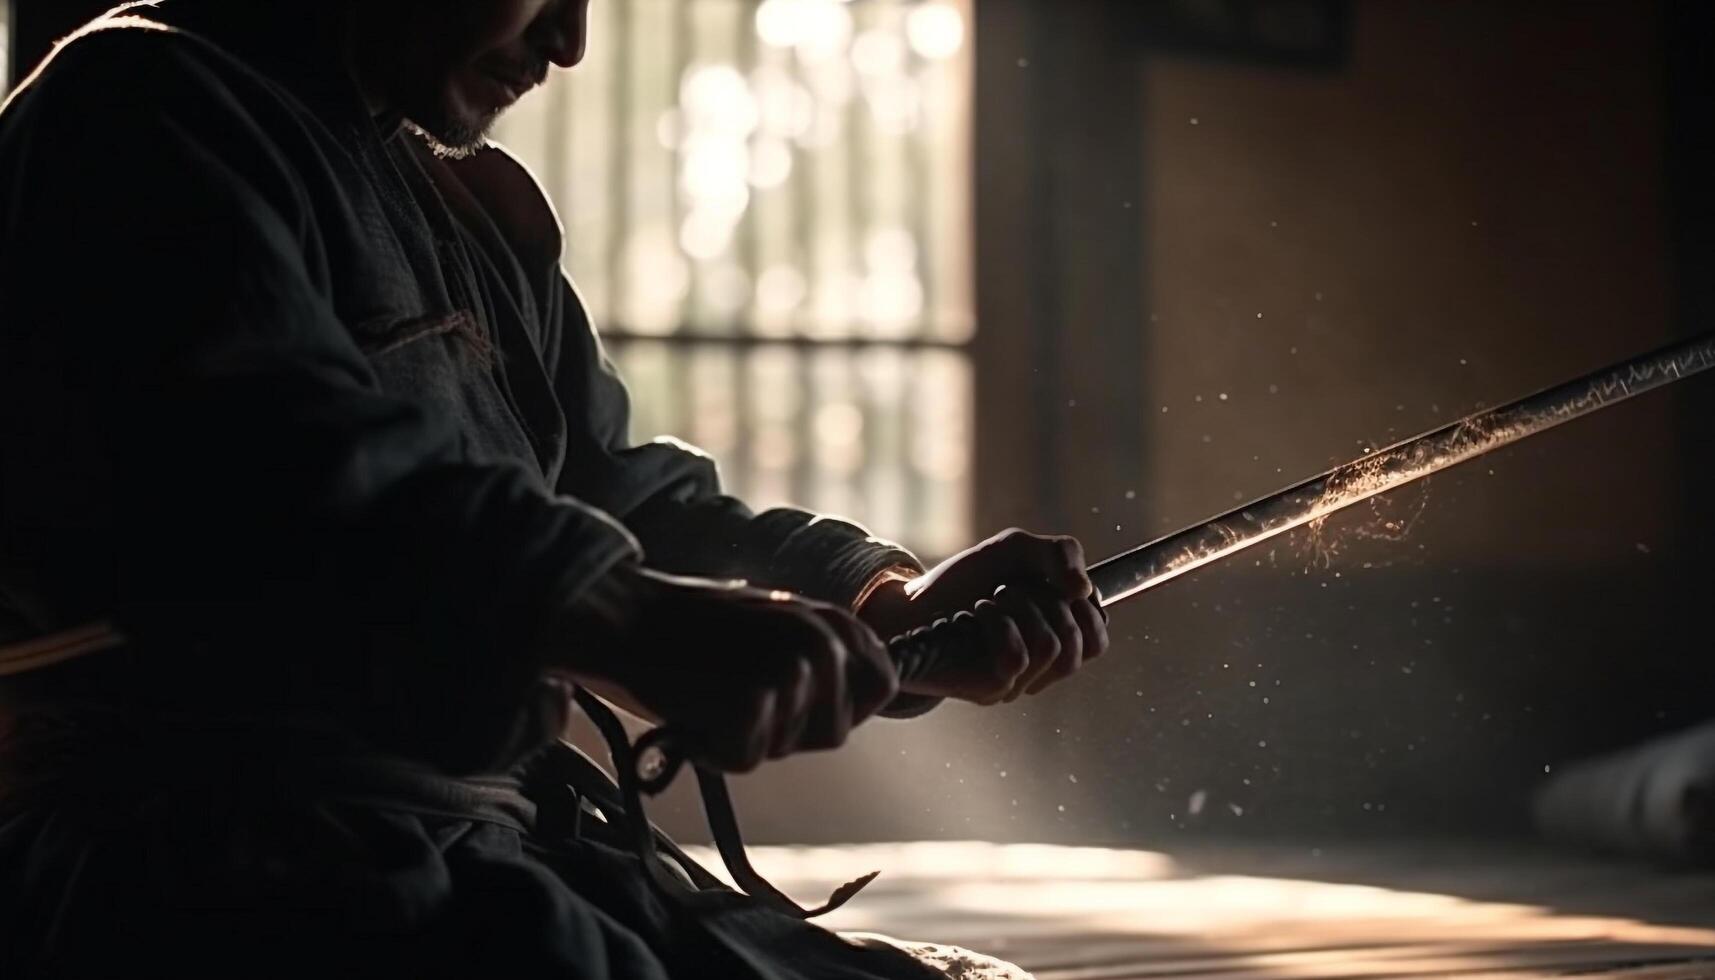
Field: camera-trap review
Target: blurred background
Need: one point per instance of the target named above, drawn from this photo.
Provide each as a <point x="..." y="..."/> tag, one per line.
<point x="947" y="266"/>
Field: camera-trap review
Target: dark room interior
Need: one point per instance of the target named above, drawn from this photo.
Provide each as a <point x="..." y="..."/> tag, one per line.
<point x="1109" y="268"/>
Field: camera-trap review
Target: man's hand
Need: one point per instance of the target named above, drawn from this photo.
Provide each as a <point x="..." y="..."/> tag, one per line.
<point x="743" y="674"/>
<point x="1033" y="597"/>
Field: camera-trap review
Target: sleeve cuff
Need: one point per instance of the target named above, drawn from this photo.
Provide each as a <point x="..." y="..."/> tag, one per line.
<point x="903" y="705"/>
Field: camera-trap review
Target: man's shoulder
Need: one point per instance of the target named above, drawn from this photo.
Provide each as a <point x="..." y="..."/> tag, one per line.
<point x="157" y="108"/>
<point x="124" y="61"/>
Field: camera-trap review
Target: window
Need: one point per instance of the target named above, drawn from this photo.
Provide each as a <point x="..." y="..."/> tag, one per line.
<point x="5" y="47"/>
<point x="767" y="209"/>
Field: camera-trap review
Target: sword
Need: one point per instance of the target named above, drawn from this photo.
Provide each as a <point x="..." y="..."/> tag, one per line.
<point x="659" y="755"/>
<point x="1130" y="573"/>
<point x="651" y="764"/>
<point x="1143" y="568"/>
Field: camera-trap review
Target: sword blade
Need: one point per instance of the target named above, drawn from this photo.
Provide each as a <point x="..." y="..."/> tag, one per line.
<point x="1127" y="574"/>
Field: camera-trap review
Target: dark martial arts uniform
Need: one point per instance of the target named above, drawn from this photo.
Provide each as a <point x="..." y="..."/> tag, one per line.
<point x="313" y="416"/>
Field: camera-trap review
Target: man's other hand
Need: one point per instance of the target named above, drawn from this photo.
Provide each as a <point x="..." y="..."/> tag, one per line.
<point x="1033" y="598"/>
<point x="744" y="674"/>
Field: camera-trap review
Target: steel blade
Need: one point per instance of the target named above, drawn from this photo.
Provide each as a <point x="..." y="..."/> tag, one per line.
<point x="1127" y="574"/>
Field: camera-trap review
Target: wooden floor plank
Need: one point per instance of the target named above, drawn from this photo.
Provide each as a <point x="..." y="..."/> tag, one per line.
<point x="1274" y="912"/>
<point x="1402" y="962"/>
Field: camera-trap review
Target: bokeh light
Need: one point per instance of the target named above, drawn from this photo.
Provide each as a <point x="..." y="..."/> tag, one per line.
<point x="792" y="170"/>
<point x="936" y="30"/>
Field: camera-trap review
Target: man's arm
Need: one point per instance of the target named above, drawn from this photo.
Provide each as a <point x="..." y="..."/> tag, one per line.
<point x="666" y="492"/>
<point x="1037" y="631"/>
<point x="669" y="494"/>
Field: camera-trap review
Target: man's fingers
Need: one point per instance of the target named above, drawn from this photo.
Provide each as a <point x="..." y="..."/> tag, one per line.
<point x="1072" y="572"/>
<point x="824" y="651"/>
<point x="1008" y="656"/>
<point x="795" y="701"/>
<point x="747" y="675"/>
<point x="1057" y="560"/>
<point x="743" y="745"/>
<point x="1093" y="623"/>
<point x="1041" y="642"/>
<point x="1065" y="626"/>
<point x="871" y="679"/>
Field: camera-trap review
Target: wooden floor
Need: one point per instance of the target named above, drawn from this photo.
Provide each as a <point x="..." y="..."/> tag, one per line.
<point x="1265" y="912"/>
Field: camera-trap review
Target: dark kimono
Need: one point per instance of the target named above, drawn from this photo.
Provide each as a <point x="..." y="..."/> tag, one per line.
<point x="313" y="417"/>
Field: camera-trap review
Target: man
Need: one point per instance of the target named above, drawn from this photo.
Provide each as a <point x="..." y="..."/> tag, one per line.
<point x="297" y="402"/>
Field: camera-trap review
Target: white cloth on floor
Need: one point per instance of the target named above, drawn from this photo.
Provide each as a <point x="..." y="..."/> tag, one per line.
<point x="953" y="961"/>
<point x="1656" y="799"/>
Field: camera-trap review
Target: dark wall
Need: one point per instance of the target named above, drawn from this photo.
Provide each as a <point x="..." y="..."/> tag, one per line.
<point x="1690" y="76"/>
<point x="1472" y="207"/>
<point x="1472" y="204"/>
<point x="1468" y="201"/>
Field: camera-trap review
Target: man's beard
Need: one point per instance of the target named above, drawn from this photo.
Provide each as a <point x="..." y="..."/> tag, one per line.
<point x="453" y="139"/>
<point x="455" y="111"/>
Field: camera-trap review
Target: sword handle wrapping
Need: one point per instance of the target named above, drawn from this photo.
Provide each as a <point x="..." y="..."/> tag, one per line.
<point x="949" y="639"/>
<point x="952" y="638"/>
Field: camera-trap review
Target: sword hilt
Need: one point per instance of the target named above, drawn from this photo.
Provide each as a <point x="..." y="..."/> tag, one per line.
<point x="919" y="652"/>
<point x="659" y="755"/>
<point x="949" y="639"/>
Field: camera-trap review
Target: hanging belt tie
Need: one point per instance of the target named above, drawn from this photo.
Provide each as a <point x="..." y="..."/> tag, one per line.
<point x="717" y="809"/>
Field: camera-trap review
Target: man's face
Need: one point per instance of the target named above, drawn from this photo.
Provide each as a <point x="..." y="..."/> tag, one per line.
<point x="452" y="66"/>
